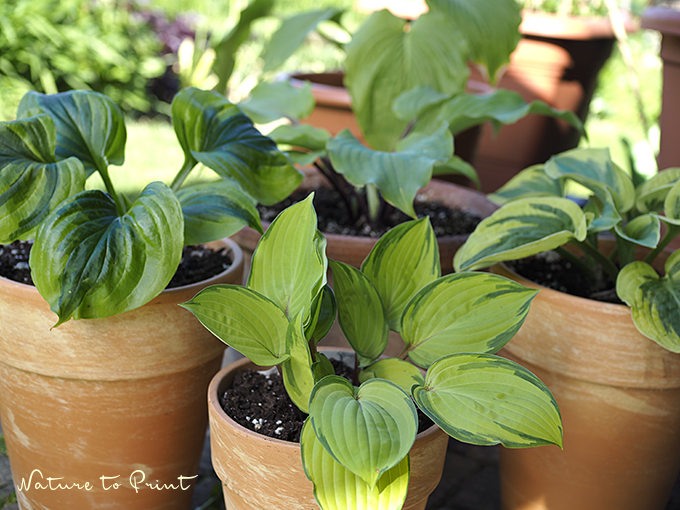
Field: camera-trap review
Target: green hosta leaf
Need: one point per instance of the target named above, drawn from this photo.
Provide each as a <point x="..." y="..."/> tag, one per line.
<point x="291" y="34"/>
<point x="31" y="183"/>
<point x="301" y="135"/>
<point x="456" y="165"/>
<point x="214" y="210"/>
<point x="467" y="312"/>
<point x="214" y="132"/>
<point x="322" y="367"/>
<point x="530" y="182"/>
<point x="654" y="301"/>
<point x="337" y="488"/>
<point x="402" y="262"/>
<point x="361" y="313"/>
<point x="271" y="101"/>
<point x="89" y="262"/>
<point x="605" y="215"/>
<point x="522" y="228"/>
<point x="297" y="373"/>
<point x="651" y="194"/>
<point x="368" y="430"/>
<point x="409" y="104"/>
<point x="244" y="320"/>
<point x="644" y="230"/>
<point x="323" y="314"/>
<point x="289" y="265"/>
<point x="400" y="372"/>
<point x="384" y="61"/>
<point x="90" y="126"/>
<point x="484" y="399"/>
<point x="672" y="205"/>
<point x="594" y="169"/>
<point x="398" y="175"/>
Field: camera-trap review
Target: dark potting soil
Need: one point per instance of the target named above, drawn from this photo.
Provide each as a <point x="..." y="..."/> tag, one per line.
<point x="198" y="263"/>
<point x="335" y="219"/>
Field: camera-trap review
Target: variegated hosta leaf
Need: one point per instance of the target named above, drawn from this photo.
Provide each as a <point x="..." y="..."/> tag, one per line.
<point x="337" y="488"/>
<point x="270" y="101"/>
<point x="530" y="182"/>
<point x="32" y="183"/>
<point x="214" y="210"/>
<point x="90" y="126"/>
<point x="654" y="301"/>
<point x="243" y="319"/>
<point x="522" y="228"/>
<point x="651" y="194"/>
<point x="672" y="205"/>
<point x="298" y="377"/>
<point x="644" y="230"/>
<point x="400" y="372"/>
<point x="214" y="132"/>
<point x="604" y="213"/>
<point x="301" y="135"/>
<point x="289" y="264"/>
<point x="361" y="312"/>
<point x="467" y="312"/>
<point x="485" y="400"/>
<point x="323" y="314"/>
<point x="401" y="263"/>
<point x="594" y="169"/>
<point x="88" y="262"/>
<point x="369" y="429"/>
<point x="398" y="175"/>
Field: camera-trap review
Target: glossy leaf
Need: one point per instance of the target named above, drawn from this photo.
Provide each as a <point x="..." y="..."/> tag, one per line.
<point x="651" y="194"/>
<point x="400" y="372"/>
<point x="522" y="228"/>
<point x="270" y="101"/>
<point x="324" y="310"/>
<point x="485" y="400"/>
<point x="605" y="214"/>
<point x="243" y="319"/>
<point x="368" y="430"/>
<point x="322" y="367"/>
<point x="298" y="377"/>
<point x="337" y="488"/>
<point x="530" y="182"/>
<point x="301" y="135"/>
<point x="643" y="230"/>
<point x="89" y="262"/>
<point x="32" y="183"/>
<point x="467" y="312"/>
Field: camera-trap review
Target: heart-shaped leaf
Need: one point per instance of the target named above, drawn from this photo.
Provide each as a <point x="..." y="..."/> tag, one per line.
<point x="400" y="372"/>
<point x="214" y="210"/>
<point x="530" y="182"/>
<point x="643" y="230"/>
<point x="243" y="319"/>
<point x="298" y="377"/>
<point x="324" y="310"/>
<point x="485" y="400"/>
<point x="368" y="430"/>
<point x="270" y="101"/>
<point x="411" y="103"/>
<point x="467" y="312"/>
<point x="336" y="488"/>
<point x="32" y="183"/>
<point x="89" y="262"/>
<point x="654" y="301"/>
<point x="301" y="135"/>
<point x="651" y="194"/>
<point x="522" y="228"/>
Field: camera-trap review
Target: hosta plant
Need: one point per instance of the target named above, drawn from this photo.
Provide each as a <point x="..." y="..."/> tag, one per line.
<point x="536" y="217"/>
<point x="99" y="253"/>
<point x="357" y="436"/>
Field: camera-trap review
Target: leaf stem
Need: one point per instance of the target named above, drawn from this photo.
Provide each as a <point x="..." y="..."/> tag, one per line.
<point x="120" y="204"/>
<point x="183" y="173"/>
<point x="575" y="260"/>
<point x="671" y="233"/>
<point x="604" y="261"/>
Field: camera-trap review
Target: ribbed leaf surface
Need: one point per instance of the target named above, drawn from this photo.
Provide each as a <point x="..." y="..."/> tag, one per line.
<point x="400" y="372"/>
<point x="298" y="377"/>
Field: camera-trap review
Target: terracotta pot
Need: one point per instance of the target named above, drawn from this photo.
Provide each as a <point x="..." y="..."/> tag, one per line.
<point x="667" y="21"/>
<point x="118" y="397"/>
<point x="262" y="473"/>
<point x="619" y="395"/>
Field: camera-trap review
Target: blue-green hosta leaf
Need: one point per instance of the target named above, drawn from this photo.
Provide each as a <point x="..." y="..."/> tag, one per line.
<point x="384" y="61"/>
<point x="400" y="372"/>
<point x="409" y="104"/>
<point x="337" y="488"/>
<point x="297" y="373"/>
<point x="398" y="175"/>
<point x="301" y="135"/>
<point x="594" y="169"/>
<point x="324" y="310"/>
<point x="401" y="263"/>
<point x="214" y="210"/>
<point x="467" y="312"/>
<point x="456" y="165"/>
<point x="522" y="228"/>
<point x="484" y="399"/>
<point x="369" y="429"/>
<point x="654" y="301"/>
<point x="90" y="126"/>
<point x="32" y="183"/>
<point x="214" y="132"/>
<point x="89" y="262"/>
<point x="530" y="182"/>
<point x="361" y="312"/>
<point x="651" y="194"/>
<point x="244" y="320"/>
<point x="270" y="101"/>
<point x="644" y="230"/>
<point x="604" y="213"/>
<point x="289" y="264"/>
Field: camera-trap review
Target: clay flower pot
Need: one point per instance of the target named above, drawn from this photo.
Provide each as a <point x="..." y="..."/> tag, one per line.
<point x="619" y="395"/>
<point x="262" y="473"/>
<point x="119" y="398"/>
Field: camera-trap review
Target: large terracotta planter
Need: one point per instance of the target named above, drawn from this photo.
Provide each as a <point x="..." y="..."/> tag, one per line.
<point x="121" y="397"/>
<point x="262" y="473"/>
<point x="619" y="395"/>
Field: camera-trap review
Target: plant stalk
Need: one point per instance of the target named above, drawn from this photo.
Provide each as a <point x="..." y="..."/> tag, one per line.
<point x="607" y="264"/>
<point x="575" y="260"/>
<point x="120" y="204"/>
<point x="181" y="176"/>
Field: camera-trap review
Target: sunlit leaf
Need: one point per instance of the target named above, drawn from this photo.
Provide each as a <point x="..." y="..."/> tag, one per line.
<point x="651" y="194"/>
<point x="400" y="372"/>
<point x="270" y="101"/>
<point x="297" y="373"/>
<point x="530" y="182"/>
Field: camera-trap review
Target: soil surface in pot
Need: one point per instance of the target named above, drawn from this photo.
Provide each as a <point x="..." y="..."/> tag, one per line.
<point x="198" y="263"/>
<point x="260" y="403"/>
<point x="335" y="219"/>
